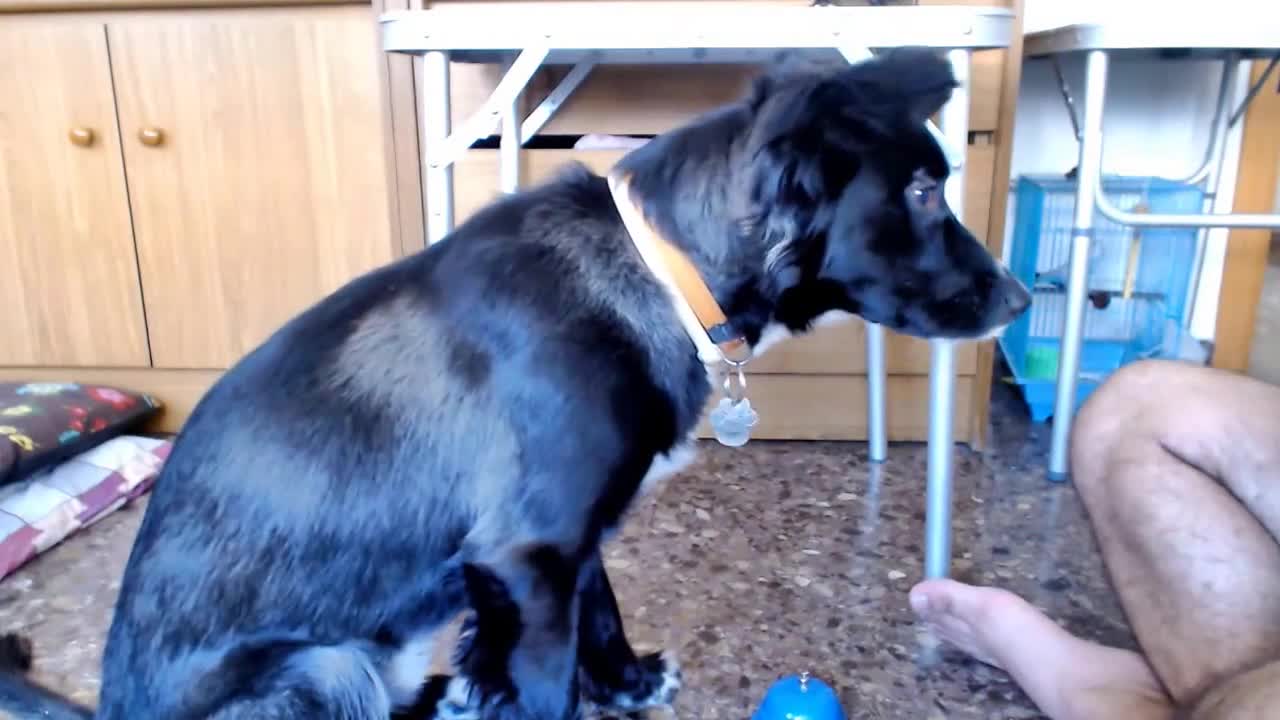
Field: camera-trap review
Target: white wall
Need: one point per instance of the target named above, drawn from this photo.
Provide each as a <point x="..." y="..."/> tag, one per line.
<point x="1156" y="120"/>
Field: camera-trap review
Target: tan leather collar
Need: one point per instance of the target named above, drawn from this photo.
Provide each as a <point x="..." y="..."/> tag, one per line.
<point x="703" y="319"/>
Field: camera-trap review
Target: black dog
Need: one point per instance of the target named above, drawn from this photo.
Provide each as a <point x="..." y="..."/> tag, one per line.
<point x="462" y="427"/>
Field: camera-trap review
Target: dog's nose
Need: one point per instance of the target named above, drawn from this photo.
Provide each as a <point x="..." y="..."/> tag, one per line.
<point x="1016" y="297"/>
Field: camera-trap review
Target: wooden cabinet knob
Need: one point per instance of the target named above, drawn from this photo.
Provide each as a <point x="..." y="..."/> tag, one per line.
<point x="151" y="136"/>
<point x="81" y="136"/>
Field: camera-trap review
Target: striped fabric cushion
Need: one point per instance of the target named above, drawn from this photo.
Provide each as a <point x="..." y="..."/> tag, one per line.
<point x="50" y="505"/>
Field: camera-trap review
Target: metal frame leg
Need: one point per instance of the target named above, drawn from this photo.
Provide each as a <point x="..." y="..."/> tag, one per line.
<point x="937" y="514"/>
<point x="1211" y="172"/>
<point x="942" y="360"/>
<point x="555" y="99"/>
<point x="442" y="147"/>
<point x="1088" y="178"/>
<point x="437" y="179"/>
<point x="877" y="380"/>
<point x="509" y="147"/>
<point x="877" y="377"/>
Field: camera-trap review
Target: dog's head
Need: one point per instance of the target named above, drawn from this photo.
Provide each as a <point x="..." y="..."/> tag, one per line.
<point x="847" y="188"/>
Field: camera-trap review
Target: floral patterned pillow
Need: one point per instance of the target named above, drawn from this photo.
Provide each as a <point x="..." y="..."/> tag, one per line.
<point x="44" y="423"/>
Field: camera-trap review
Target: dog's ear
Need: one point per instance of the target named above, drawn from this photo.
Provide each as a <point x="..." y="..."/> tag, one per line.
<point x="902" y="84"/>
<point x="803" y="153"/>
<point x="788" y="69"/>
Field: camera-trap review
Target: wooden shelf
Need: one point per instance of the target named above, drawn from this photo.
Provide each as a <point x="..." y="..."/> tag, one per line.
<point x="43" y="6"/>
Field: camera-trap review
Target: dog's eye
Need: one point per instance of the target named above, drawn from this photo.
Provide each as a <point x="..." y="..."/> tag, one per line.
<point x="926" y="195"/>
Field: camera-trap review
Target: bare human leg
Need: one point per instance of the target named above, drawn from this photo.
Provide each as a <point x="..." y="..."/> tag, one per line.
<point x="1179" y="470"/>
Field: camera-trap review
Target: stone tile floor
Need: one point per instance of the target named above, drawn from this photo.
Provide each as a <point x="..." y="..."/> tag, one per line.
<point x="757" y="562"/>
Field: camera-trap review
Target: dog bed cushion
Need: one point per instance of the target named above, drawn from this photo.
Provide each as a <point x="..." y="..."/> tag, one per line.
<point x="41" y="511"/>
<point x="44" y="423"/>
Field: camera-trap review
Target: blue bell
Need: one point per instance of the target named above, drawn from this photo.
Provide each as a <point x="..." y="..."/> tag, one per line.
<point x="800" y="698"/>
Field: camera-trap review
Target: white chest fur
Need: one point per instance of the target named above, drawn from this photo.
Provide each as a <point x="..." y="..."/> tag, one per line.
<point x="775" y="333"/>
<point x="682" y="455"/>
<point x="404" y="673"/>
<point x="668" y="464"/>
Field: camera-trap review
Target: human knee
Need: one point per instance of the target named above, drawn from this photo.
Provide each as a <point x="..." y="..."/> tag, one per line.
<point x="1110" y="413"/>
<point x="1127" y="413"/>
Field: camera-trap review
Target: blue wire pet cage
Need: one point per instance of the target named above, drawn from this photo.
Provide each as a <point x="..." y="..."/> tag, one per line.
<point x="1138" y="282"/>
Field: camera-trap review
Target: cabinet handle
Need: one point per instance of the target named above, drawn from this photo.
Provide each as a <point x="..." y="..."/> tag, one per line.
<point x="81" y="136"/>
<point x="151" y="136"/>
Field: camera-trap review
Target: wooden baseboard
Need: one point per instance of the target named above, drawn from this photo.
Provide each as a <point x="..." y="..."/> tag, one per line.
<point x="834" y="407"/>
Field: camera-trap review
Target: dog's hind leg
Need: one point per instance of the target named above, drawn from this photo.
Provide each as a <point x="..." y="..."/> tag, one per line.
<point x="21" y="696"/>
<point x="518" y="660"/>
<point x="612" y="675"/>
<point x="290" y="681"/>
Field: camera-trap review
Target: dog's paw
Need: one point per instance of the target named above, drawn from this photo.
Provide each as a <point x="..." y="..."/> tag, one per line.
<point x="443" y="697"/>
<point x="667" y="667"/>
<point x="459" y="701"/>
<point x="658" y="679"/>
<point x="16" y="654"/>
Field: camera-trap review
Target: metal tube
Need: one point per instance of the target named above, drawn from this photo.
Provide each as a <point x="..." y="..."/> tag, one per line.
<point x="1088" y="178"/>
<point x="1200" y="220"/>
<point x="942" y="358"/>
<point x="1253" y="91"/>
<point x="1217" y="128"/>
<point x="487" y="119"/>
<point x="937" y="514"/>
<point x="509" y="147"/>
<point x="557" y="97"/>
<point x="877" y="422"/>
<point x="1066" y="96"/>
<point x="1214" y="180"/>
<point x="437" y="180"/>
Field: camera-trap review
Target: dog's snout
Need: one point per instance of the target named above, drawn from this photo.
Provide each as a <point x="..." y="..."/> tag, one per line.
<point x="1016" y="298"/>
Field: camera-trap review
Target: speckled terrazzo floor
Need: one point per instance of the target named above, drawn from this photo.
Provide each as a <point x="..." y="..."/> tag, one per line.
<point x="757" y="562"/>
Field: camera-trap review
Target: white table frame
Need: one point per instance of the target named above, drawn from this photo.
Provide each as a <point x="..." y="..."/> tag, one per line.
<point x="1179" y="37"/>
<point x="582" y="35"/>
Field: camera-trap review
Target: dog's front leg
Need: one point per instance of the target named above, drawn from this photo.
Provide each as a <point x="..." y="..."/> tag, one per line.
<point x="519" y="658"/>
<point x="612" y="675"/>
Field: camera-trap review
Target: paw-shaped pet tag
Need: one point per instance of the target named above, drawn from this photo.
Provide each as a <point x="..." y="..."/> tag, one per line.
<point x="732" y="422"/>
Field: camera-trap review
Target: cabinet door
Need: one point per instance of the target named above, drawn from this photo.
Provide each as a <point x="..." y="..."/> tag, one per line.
<point x="257" y="173"/>
<point x="69" y="291"/>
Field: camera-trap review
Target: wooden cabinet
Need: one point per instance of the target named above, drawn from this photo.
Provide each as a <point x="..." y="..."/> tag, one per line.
<point x="69" y="290"/>
<point x="254" y="156"/>
<point x="245" y="178"/>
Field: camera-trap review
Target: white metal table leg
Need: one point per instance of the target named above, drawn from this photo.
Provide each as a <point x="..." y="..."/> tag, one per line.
<point x="437" y="189"/>
<point x="877" y="424"/>
<point x="1088" y="176"/>
<point x="555" y="99"/>
<point x="937" y="514"/>
<point x="1210" y="171"/>
<point x="942" y="362"/>
<point x="509" y="147"/>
